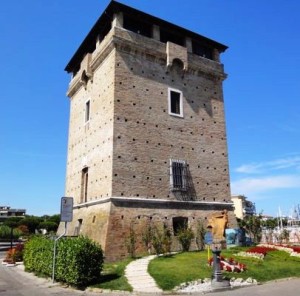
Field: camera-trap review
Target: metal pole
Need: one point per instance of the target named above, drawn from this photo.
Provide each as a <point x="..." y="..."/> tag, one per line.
<point x="217" y="274"/>
<point x="11" y="237"/>
<point x="54" y="251"/>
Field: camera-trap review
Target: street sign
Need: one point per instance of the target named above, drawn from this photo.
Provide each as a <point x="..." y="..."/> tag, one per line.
<point x="66" y="209"/>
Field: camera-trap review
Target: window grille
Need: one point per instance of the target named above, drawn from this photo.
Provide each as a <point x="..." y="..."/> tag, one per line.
<point x="178" y="175"/>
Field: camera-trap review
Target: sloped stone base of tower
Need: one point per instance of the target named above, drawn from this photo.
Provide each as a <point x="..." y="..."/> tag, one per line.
<point x="111" y="221"/>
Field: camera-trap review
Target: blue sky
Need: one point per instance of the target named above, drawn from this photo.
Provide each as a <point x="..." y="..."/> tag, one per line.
<point x="261" y="93"/>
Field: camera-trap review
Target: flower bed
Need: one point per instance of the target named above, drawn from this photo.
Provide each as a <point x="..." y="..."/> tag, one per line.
<point x="229" y="265"/>
<point x="292" y="250"/>
<point x="258" y="252"/>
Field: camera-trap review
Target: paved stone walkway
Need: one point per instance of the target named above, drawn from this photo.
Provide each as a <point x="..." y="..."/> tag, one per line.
<point x="139" y="278"/>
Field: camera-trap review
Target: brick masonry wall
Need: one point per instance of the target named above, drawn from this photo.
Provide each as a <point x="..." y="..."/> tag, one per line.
<point x="91" y="144"/>
<point x="125" y="214"/>
<point x="130" y="138"/>
<point x="146" y="137"/>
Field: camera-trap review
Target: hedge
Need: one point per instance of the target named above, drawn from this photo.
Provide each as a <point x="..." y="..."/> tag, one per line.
<point x="79" y="260"/>
<point x="5" y="232"/>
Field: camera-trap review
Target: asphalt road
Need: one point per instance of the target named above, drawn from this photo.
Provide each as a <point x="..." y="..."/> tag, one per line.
<point x="287" y="287"/>
<point x="14" y="281"/>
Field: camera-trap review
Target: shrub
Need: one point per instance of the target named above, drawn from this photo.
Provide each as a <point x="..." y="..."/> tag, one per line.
<point x="38" y="255"/>
<point x="157" y="240"/>
<point x="162" y="239"/>
<point x="200" y="235"/>
<point x="167" y="239"/>
<point x="79" y="260"/>
<point x="131" y="241"/>
<point x="15" y="254"/>
<point x="24" y="229"/>
<point x="5" y="232"/>
<point x="147" y="236"/>
<point x="185" y="236"/>
<point x="19" y="252"/>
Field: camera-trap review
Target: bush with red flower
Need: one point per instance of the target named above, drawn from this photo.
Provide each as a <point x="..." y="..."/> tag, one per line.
<point x="14" y="254"/>
<point x="229" y="265"/>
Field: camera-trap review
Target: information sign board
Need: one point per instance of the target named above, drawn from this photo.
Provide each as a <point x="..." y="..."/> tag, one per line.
<point x="66" y="209"/>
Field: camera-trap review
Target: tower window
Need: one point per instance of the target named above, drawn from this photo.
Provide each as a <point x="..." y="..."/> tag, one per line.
<point x="84" y="184"/>
<point x="179" y="224"/>
<point x="202" y="50"/>
<point x="178" y="175"/>
<point x="166" y="36"/>
<point x="87" y="110"/>
<point x="175" y="102"/>
<point x="137" y="26"/>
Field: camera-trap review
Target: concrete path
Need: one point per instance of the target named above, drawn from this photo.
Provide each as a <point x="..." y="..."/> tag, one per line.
<point x="139" y="278"/>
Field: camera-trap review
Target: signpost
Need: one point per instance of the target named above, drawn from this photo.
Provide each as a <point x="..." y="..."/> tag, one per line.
<point x="66" y="209"/>
<point x="66" y="215"/>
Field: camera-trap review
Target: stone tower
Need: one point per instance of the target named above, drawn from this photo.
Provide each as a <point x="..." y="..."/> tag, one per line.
<point x="147" y="141"/>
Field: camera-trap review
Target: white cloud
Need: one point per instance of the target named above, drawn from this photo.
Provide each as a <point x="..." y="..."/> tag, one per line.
<point x="277" y="164"/>
<point x="248" y="168"/>
<point x="250" y="186"/>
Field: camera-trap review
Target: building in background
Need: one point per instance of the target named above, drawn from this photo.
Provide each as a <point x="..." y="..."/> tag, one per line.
<point x="7" y="212"/>
<point x="243" y="207"/>
<point x="147" y="142"/>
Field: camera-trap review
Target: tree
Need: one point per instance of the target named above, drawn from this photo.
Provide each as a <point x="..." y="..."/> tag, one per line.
<point x="55" y="218"/>
<point x="12" y="222"/>
<point x="284" y="236"/>
<point x="48" y="225"/>
<point x="270" y="223"/>
<point x="252" y="225"/>
<point x="31" y="222"/>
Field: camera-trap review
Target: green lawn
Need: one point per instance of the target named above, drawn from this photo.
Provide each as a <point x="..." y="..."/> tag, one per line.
<point x="113" y="278"/>
<point x="171" y="271"/>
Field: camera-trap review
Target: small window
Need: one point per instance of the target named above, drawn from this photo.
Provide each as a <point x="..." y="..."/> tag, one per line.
<point x="202" y="50"/>
<point x="137" y="26"/>
<point x="175" y="102"/>
<point x="84" y="184"/>
<point x="178" y="175"/>
<point x="179" y="224"/>
<point x="87" y="110"/>
<point x="173" y="37"/>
